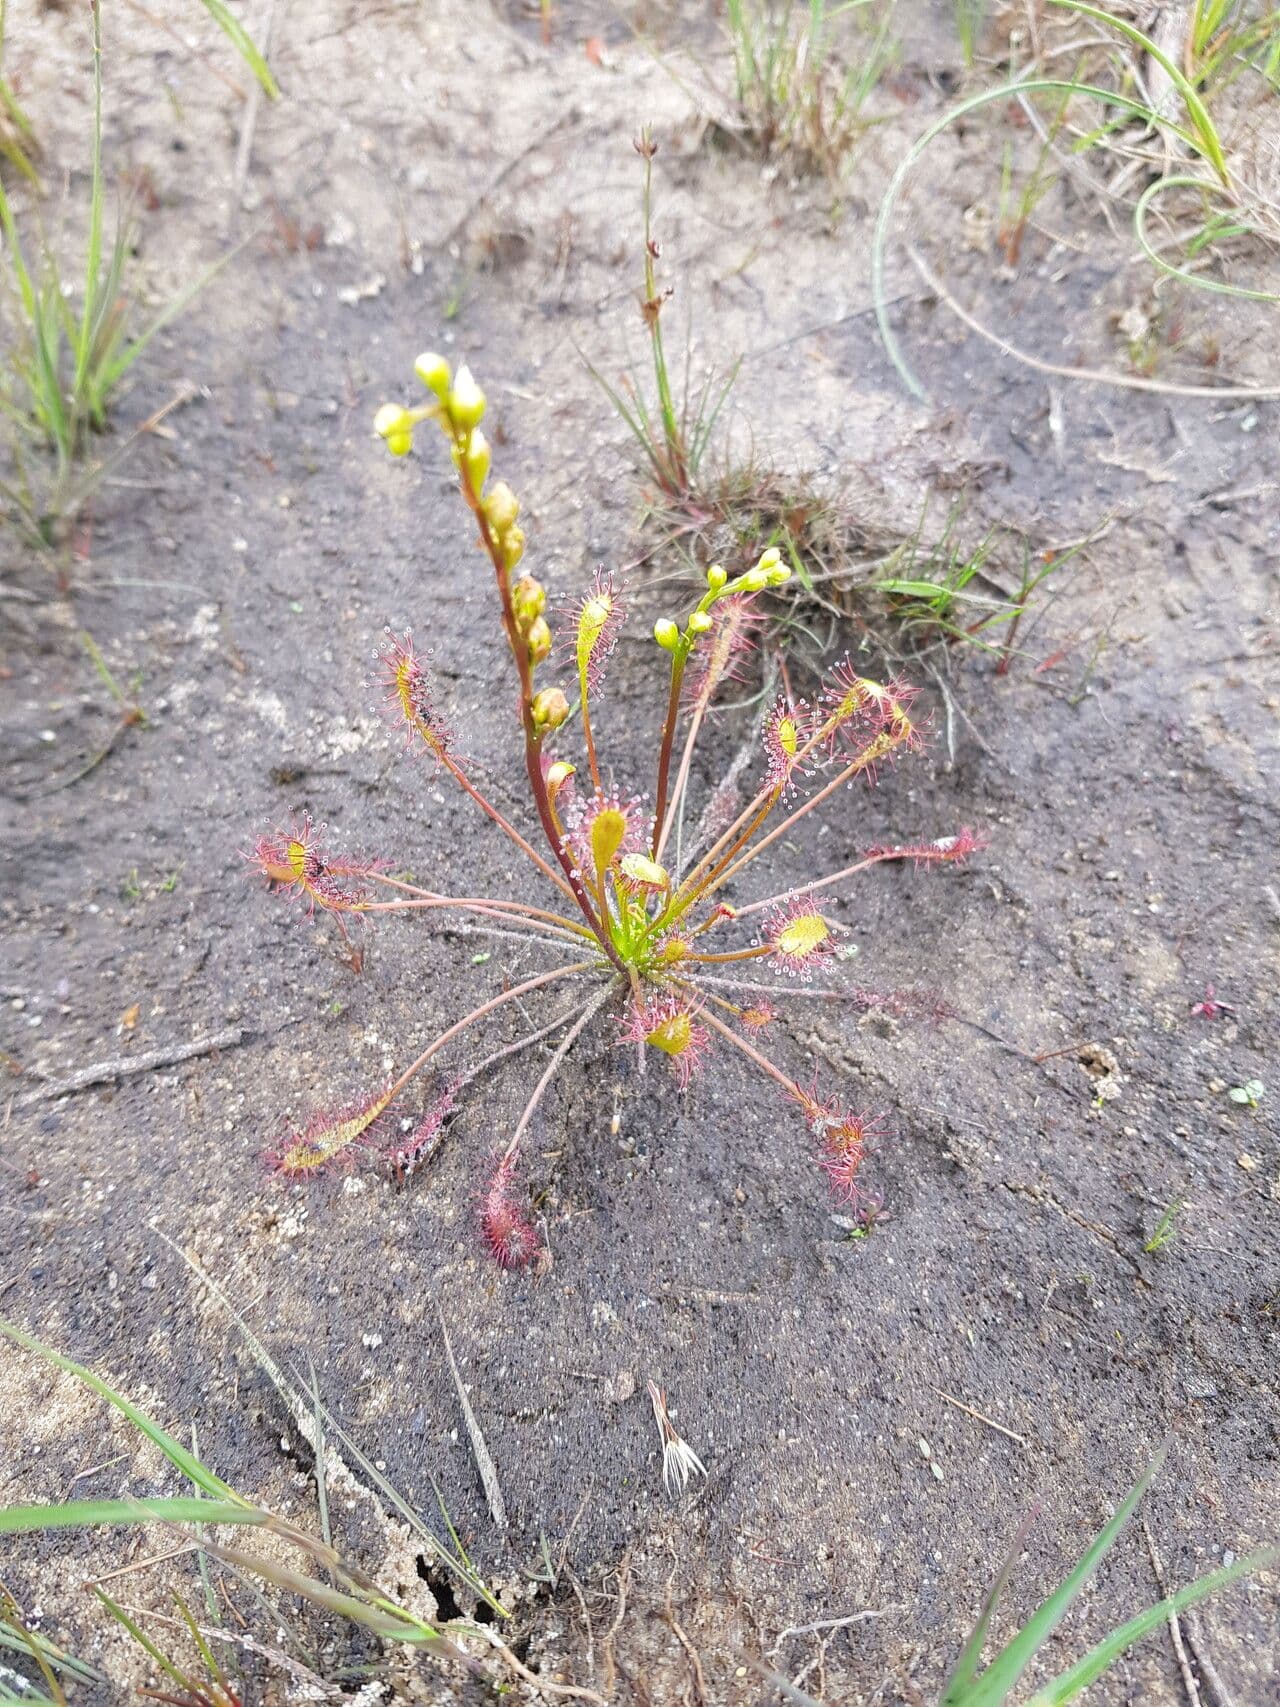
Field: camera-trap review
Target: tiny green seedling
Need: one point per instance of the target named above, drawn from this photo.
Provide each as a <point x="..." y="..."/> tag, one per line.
<point x="1165" y="1231"/>
<point x="1249" y="1094"/>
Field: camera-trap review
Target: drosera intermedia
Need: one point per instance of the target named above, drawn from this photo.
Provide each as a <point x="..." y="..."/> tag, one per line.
<point x="650" y="944"/>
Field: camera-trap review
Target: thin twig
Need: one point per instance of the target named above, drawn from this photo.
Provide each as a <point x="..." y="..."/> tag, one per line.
<point x="532" y="1678"/>
<point x="979" y="1417"/>
<point x="484" y="1460"/>
<point x="624" y="1579"/>
<point x="1175" y="1628"/>
<point x="129" y="1066"/>
<point x="699" y="1678"/>
<point x="832" y="1624"/>
<point x="244" y="149"/>
<point x="1208" y="1671"/>
<point x="1094" y="375"/>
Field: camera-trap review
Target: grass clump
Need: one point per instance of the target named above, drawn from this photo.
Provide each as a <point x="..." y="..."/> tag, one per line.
<point x="71" y="350"/>
<point x="917" y="593"/>
<point x="802" y="77"/>
<point x="1177" y="136"/>
<point x="291" y="1566"/>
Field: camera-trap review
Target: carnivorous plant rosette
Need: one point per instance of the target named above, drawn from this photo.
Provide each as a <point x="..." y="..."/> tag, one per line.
<point x="647" y="933"/>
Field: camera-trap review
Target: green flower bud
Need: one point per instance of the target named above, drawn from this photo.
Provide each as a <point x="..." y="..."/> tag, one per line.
<point x="754" y="581"/>
<point x="512" y="546"/>
<point x="399" y="444"/>
<point x="538" y="637"/>
<point x="770" y="559"/>
<point x="391" y="420"/>
<point x="465" y="402"/>
<point x="501" y="508"/>
<point x="700" y="623"/>
<point x="434" y="372"/>
<point x="779" y="575"/>
<point x="550" y="708"/>
<point x="476" y="459"/>
<point x="666" y="634"/>
<point x="528" y="598"/>
<point x="717" y="575"/>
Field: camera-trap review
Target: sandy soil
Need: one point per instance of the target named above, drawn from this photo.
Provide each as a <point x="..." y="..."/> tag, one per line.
<point x="441" y="177"/>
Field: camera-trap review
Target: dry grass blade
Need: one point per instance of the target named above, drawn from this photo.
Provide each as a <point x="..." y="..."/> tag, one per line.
<point x="484" y="1459"/>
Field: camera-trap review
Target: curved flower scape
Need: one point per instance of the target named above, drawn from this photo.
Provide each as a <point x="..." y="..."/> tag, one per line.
<point x="638" y="928"/>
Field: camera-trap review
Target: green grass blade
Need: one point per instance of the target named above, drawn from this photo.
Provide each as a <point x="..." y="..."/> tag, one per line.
<point x="1219" y="287"/>
<point x="985" y="98"/>
<point x="93" y="262"/>
<point x="997" y="1682"/>
<point x="954" y="1693"/>
<point x="94" y="1514"/>
<point x="244" y="45"/>
<point x="1068" y="1684"/>
<point x="1210" y="145"/>
<point x="114" y="367"/>
<point x="18" y="1639"/>
<point x="376" y="1613"/>
<point x="174" y="1451"/>
<point x="144" y="1641"/>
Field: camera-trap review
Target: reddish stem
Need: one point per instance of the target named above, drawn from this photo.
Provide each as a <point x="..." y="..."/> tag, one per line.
<point x="565" y="1044"/>
<point x="479" y="1013"/>
<point x="532" y="737"/>
<point x="668" y="743"/>
<point x="468" y="787"/>
<point x="753" y="1054"/>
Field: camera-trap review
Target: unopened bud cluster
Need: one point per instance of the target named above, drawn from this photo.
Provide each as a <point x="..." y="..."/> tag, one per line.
<point x="458" y="408"/>
<point x="770" y="571"/>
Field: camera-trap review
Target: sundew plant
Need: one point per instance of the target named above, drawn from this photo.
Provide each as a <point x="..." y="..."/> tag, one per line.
<point x="653" y="946"/>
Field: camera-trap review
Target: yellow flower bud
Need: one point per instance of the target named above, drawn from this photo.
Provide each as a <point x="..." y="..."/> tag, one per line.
<point x="717" y="575"/>
<point x="529" y="598"/>
<point x="550" y="708"/>
<point x="399" y="444"/>
<point x="392" y="421"/>
<point x="754" y="581"/>
<point x="476" y="459"/>
<point x="666" y="634"/>
<point x="779" y="575"/>
<point x="538" y="638"/>
<point x="434" y="372"/>
<point x="700" y="622"/>
<point x="501" y="508"/>
<point x="769" y="559"/>
<point x="512" y="546"/>
<point x="465" y="402"/>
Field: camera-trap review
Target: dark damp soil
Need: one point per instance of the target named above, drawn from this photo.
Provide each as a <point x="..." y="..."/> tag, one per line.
<point x="441" y="179"/>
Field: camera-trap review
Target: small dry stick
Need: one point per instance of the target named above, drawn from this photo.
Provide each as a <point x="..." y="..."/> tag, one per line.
<point x="129" y="1066"/>
<point x="831" y="1624"/>
<point x="624" y="1580"/>
<point x="244" y="150"/>
<point x="979" y="1417"/>
<point x="695" y="1662"/>
<point x="484" y="1462"/>
<point x="1175" y="1629"/>
<point x="1208" y="1671"/>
